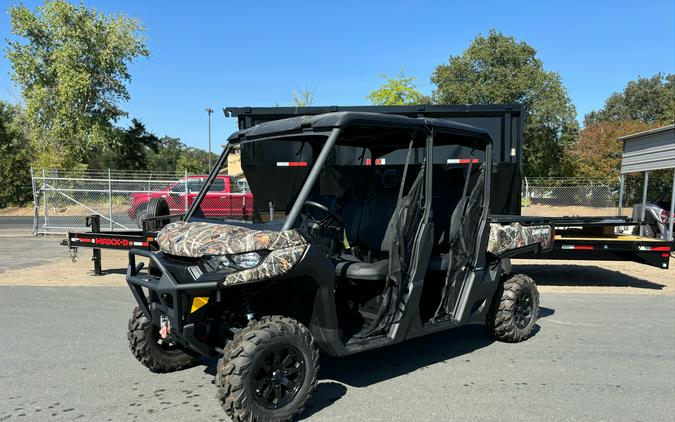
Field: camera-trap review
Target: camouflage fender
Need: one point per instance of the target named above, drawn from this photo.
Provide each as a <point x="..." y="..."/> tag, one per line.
<point x="278" y="262"/>
<point x="200" y="239"/>
<point x="515" y="235"/>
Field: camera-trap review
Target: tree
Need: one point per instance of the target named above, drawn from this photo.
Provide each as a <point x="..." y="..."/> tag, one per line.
<point x="15" y="152"/>
<point x="303" y="97"/>
<point x="397" y="91"/>
<point x="167" y="155"/>
<point x="174" y="156"/>
<point x="128" y="150"/>
<point x="71" y="63"/>
<point x="649" y="100"/>
<point x="498" y="69"/>
<point x="598" y="152"/>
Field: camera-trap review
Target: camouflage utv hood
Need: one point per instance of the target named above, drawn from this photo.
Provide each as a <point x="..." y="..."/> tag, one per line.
<point x="199" y="239"/>
<point x="515" y="235"/>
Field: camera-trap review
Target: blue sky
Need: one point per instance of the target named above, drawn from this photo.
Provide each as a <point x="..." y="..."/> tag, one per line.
<point x="215" y="54"/>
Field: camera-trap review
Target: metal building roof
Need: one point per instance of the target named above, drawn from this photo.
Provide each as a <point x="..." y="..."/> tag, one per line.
<point x="649" y="150"/>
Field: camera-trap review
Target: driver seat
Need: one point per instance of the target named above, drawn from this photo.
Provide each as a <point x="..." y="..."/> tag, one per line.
<point x="362" y="270"/>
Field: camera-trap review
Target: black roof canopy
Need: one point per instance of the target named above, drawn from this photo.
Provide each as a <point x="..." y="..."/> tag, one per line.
<point x="447" y="132"/>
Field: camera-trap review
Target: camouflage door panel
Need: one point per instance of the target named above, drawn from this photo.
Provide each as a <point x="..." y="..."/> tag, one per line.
<point x="515" y="235"/>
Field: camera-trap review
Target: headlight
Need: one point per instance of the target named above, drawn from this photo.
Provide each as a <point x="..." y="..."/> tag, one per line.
<point x="246" y="260"/>
<point x="221" y="262"/>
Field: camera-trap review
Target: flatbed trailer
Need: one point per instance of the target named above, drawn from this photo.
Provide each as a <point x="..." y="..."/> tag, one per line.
<point x="597" y="239"/>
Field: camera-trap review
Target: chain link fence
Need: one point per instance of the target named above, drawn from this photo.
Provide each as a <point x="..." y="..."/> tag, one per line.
<point x="63" y="199"/>
<point x="585" y="197"/>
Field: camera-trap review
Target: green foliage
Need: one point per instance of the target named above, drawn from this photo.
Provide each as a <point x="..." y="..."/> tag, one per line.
<point x="71" y="63"/>
<point x="648" y="100"/>
<point x="15" y="153"/>
<point x="498" y="69"/>
<point x="128" y="150"/>
<point x="397" y="91"/>
<point x="195" y="160"/>
<point x="303" y="97"/>
<point x="172" y="155"/>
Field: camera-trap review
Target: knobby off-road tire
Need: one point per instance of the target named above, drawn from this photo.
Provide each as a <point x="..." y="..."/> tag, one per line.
<point x="514" y="310"/>
<point x="268" y="371"/>
<point x="144" y="342"/>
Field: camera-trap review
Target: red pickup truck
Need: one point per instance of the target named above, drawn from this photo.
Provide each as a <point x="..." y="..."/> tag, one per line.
<point x="227" y="197"/>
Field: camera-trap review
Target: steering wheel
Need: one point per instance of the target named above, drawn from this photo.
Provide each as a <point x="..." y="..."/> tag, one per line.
<point x="325" y="222"/>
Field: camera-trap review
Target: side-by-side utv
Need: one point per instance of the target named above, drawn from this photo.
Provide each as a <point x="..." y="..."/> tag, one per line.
<point x="385" y="236"/>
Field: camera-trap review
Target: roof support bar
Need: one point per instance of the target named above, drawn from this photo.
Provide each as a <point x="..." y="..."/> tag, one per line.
<point x="621" y="188"/>
<point x="672" y="209"/>
<point x="311" y="179"/>
<point x="644" y="203"/>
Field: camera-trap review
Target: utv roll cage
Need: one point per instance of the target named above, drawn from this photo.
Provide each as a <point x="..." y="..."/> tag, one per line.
<point x="332" y="125"/>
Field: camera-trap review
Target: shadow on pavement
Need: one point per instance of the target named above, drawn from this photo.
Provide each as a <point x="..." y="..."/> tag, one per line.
<point x="582" y="275"/>
<point x="374" y="366"/>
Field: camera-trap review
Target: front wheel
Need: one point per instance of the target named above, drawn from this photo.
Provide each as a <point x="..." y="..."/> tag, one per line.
<point x="514" y="310"/>
<point x="150" y="349"/>
<point x="268" y="371"/>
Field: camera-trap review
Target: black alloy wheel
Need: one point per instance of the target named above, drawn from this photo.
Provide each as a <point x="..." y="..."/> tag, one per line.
<point x="278" y="376"/>
<point x="523" y="313"/>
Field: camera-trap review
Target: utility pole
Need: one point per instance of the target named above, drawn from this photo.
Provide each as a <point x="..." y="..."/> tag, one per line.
<point x="209" y="110"/>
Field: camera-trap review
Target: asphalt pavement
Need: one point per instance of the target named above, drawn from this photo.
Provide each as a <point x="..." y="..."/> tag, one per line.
<point x="16" y="223"/>
<point x="20" y="249"/>
<point x="64" y="356"/>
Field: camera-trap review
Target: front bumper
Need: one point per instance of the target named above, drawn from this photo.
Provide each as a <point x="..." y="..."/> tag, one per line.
<point x="169" y="297"/>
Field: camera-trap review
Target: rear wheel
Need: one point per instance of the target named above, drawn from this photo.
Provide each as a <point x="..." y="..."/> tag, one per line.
<point x="150" y="349"/>
<point x="514" y="309"/>
<point x="268" y="371"/>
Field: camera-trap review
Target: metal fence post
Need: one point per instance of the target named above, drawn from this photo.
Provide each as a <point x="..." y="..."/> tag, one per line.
<point x="110" y="216"/>
<point x="35" y="202"/>
<point x="644" y="202"/>
<point x="672" y="209"/>
<point x="527" y="192"/>
<point x="186" y="192"/>
<point x="44" y="190"/>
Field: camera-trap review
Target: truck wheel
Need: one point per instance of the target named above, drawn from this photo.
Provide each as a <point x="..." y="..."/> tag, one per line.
<point x="150" y="350"/>
<point x="514" y="309"/>
<point x="268" y="371"/>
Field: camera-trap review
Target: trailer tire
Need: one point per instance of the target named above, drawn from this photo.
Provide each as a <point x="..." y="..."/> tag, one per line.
<point x="271" y="361"/>
<point x="141" y="214"/>
<point x="514" y="310"/>
<point x="649" y="231"/>
<point x="144" y="338"/>
<point x="158" y="207"/>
